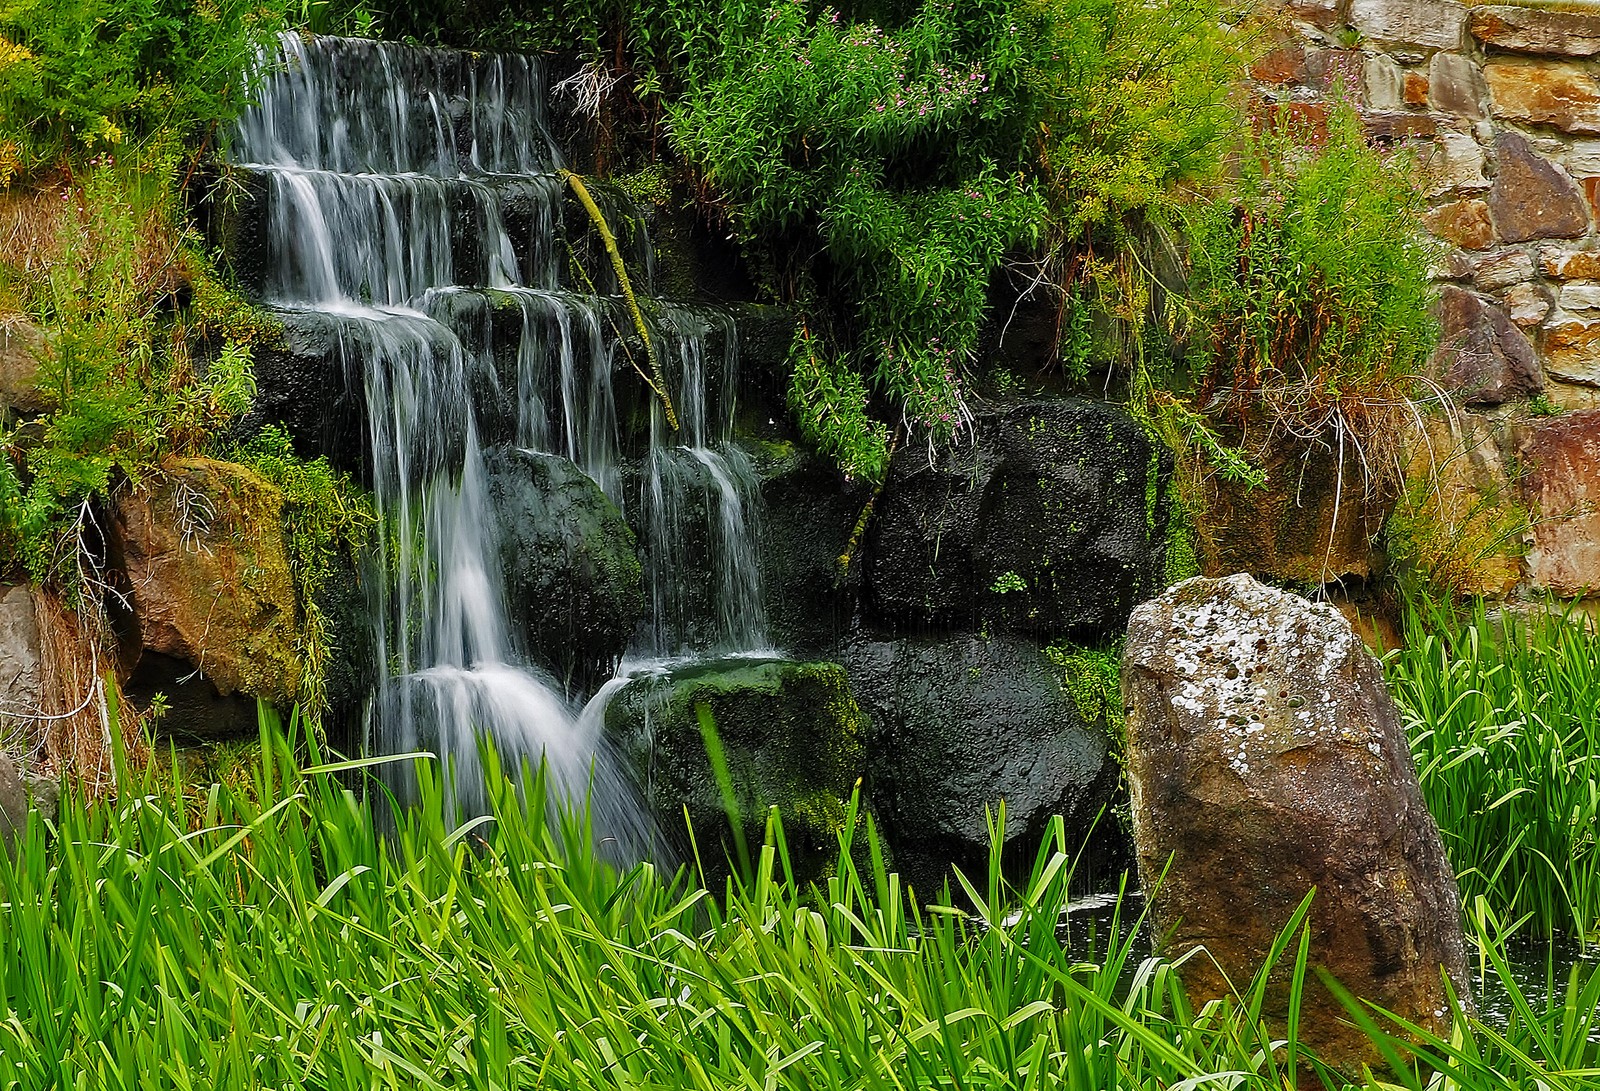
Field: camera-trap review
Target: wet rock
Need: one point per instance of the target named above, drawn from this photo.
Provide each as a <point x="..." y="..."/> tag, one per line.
<point x="1532" y="198"/>
<point x="21" y="346"/>
<point x="1561" y="457"/>
<point x="809" y="515"/>
<point x="1050" y="520"/>
<point x="1462" y="223"/>
<point x="791" y="735"/>
<point x="21" y="661"/>
<point x="570" y="563"/>
<point x="21" y="792"/>
<point x="1563" y="95"/>
<point x="1266" y="758"/>
<point x="960" y="723"/>
<point x="202" y="548"/>
<point x="305" y="384"/>
<point x="1423" y="24"/>
<point x="1532" y="30"/>
<point x="1482" y="357"/>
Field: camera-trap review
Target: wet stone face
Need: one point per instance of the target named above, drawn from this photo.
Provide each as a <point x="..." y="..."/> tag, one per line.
<point x="1265" y="758"/>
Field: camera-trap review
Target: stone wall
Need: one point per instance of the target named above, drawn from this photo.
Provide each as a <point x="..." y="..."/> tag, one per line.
<point x="1501" y="106"/>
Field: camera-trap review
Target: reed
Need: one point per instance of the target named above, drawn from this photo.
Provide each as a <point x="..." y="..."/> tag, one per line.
<point x="274" y="935"/>
<point x="1504" y="718"/>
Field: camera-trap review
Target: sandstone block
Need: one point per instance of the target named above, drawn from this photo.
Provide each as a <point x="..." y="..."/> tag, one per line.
<point x="1562" y="486"/>
<point x="1424" y="24"/>
<point x="1284" y="65"/>
<point x="1502" y="268"/>
<point x="1569" y="263"/>
<point x="1526" y="304"/>
<point x="1580" y="297"/>
<point x="1572" y="351"/>
<point x="1520" y="29"/>
<point x="1462" y="223"/>
<point x="1455" y="86"/>
<point x="1563" y="95"/>
<point x="1583" y="158"/>
<point x="1384" y="81"/>
<point x="1532" y="198"/>
<point x="1455" y="164"/>
<point x="1415" y="90"/>
<point x="1266" y="758"/>
<point x="1482" y="357"/>
<point x="21" y="346"/>
<point x="1319" y="13"/>
<point x="1461" y="532"/>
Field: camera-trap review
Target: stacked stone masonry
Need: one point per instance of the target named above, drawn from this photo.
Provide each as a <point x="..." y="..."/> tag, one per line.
<point x="1500" y="105"/>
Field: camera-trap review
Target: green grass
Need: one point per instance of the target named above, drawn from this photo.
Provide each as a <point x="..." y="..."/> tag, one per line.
<point x="274" y="936"/>
<point x="1504" y="720"/>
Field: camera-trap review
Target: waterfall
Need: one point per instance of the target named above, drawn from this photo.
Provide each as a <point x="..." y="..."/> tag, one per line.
<point x="411" y="200"/>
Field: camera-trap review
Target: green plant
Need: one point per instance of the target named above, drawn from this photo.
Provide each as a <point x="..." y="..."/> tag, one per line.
<point x="1506" y="733"/>
<point x="271" y="934"/>
<point x="1007" y="582"/>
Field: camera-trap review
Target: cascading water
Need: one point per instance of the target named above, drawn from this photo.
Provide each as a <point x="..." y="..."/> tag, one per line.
<point x="412" y="201"/>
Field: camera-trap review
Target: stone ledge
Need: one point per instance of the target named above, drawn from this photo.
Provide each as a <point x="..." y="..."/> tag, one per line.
<point x="1532" y="30"/>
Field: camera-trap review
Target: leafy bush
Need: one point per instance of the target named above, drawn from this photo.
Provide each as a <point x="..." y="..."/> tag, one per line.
<point x="82" y="77"/>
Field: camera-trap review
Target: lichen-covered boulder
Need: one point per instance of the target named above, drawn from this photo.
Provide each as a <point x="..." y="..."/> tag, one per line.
<point x="960" y="723"/>
<point x="1266" y="758"/>
<point x="791" y="734"/>
<point x="201" y="546"/>
<point x="1051" y="520"/>
<point x="569" y="561"/>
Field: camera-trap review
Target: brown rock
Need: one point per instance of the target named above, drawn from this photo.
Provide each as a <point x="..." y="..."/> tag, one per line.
<point x="1265" y="758"/>
<point x="1591" y="193"/>
<point x="1455" y="265"/>
<point x="202" y="546"/>
<point x="1455" y="86"/>
<point x="1462" y="223"/>
<point x="1424" y="24"/>
<point x="1340" y="71"/>
<point x="1572" y="351"/>
<point x="1415" y="92"/>
<point x="1532" y="30"/>
<point x="22" y="346"/>
<point x="1286" y="64"/>
<point x="1532" y="198"/>
<point x="1567" y="263"/>
<point x="1394" y="125"/>
<point x="1562" y="486"/>
<point x="1563" y="95"/>
<point x="1319" y="13"/>
<point x="1482" y="357"/>
<point x="1526" y="304"/>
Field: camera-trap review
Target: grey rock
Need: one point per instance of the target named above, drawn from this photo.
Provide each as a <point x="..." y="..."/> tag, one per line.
<point x="21" y="792"/>
<point x="1483" y="357"/>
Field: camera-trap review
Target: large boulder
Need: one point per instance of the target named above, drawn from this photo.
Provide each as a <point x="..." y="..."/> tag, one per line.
<point x="791" y="735"/>
<point x="1049" y="520"/>
<point x="963" y="722"/>
<point x="213" y="603"/>
<point x="21" y="662"/>
<point x="1561" y="457"/>
<point x="570" y="563"/>
<point x="1265" y="759"/>
<point x="21" y="792"/>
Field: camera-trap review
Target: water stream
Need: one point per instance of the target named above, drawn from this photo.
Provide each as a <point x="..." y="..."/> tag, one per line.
<point x="411" y="199"/>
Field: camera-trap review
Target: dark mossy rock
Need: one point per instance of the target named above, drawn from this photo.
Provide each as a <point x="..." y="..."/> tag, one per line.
<point x="351" y="669"/>
<point x="809" y="514"/>
<point x="569" y="561"/>
<point x="961" y="723"/>
<point x="791" y="734"/>
<point x="305" y="385"/>
<point x="1050" y="520"/>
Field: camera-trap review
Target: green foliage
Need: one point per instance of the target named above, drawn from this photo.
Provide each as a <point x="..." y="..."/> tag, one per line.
<point x="282" y="934"/>
<point x="1505" y="729"/>
<point x="1093" y="679"/>
<point x="1309" y="282"/>
<point x="326" y="523"/>
<point x="829" y="401"/>
<point x="81" y="77"/>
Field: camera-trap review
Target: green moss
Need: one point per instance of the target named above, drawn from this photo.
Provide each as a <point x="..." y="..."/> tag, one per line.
<point x="1092" y="677"/>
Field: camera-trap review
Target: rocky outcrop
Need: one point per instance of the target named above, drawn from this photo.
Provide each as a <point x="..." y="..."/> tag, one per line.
<point x="1266" y="759"/>
<point x="213" y="603"/>
<point x="1050" y="520"/>
<point x="570" y="563"/>
<point x="961" y="724"/>
<point x="1562" y="486"/>
<point x="790" y="734"/>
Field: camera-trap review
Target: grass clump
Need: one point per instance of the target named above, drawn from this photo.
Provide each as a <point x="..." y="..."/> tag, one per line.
<point x="270" y="935"/>
<point x="1506" y="732"/>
